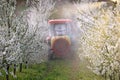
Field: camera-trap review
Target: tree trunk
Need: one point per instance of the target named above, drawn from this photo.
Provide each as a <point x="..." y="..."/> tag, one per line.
<point x="105" y="75"/>
<point x="26" y="65"/>
<point x="20" y="67"/>
<point x="7" y="68"/>
<point x="14" y="69"/>
<point x="119" y="75"/>
<point x="110" y="77"/>
<point x="114" y="75"/>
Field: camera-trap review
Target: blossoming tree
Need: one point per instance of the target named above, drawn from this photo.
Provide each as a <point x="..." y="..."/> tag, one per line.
<point x="21" y="35"/>
<point x="100" y="39"/>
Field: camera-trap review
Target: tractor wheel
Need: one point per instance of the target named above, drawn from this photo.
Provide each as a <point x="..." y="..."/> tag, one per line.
<point x="51" y="55"/>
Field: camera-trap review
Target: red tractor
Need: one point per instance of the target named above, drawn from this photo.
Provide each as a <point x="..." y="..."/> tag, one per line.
<point x="60" y="37"/>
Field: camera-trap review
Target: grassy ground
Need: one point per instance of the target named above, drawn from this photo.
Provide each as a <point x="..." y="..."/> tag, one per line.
<point x="56" y="70"/>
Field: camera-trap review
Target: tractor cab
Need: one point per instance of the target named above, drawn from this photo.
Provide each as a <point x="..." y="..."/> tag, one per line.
<point x="60" y="27"/>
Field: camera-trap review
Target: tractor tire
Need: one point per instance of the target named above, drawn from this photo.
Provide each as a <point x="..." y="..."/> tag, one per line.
<point x="51" y="55"/>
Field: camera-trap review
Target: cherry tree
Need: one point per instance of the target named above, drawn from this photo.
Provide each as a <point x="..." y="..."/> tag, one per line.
<point x="100" y="40"/>
<point x="20" y="35"/>
<point x="12" y="30"/>
<point x="38" y="13"/>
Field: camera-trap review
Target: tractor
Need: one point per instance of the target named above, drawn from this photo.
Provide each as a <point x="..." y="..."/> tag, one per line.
<point x="60" y="39"/>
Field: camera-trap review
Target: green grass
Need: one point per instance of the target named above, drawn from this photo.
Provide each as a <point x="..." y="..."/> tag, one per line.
<point x="56" y="70"/>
